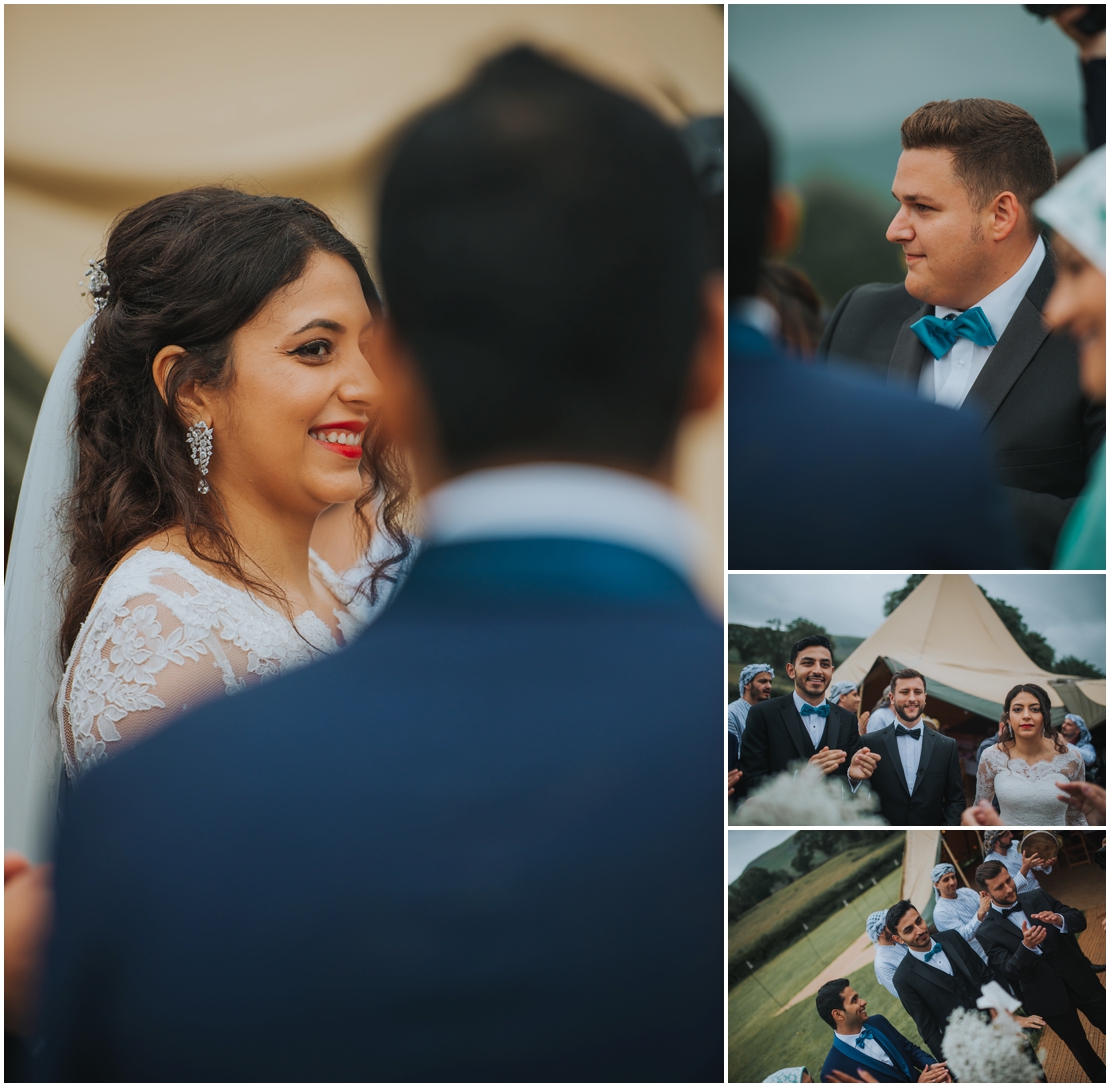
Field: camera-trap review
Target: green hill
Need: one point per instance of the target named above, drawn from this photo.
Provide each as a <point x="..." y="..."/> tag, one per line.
<point x="778" y="859"/>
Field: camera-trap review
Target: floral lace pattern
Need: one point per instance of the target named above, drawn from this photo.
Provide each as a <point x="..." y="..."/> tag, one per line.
<point x="1027" y="794"/>
<point x="164" y="636"/>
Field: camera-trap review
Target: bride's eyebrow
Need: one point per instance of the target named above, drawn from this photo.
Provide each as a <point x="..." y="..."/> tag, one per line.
<point x="321" y="322"/>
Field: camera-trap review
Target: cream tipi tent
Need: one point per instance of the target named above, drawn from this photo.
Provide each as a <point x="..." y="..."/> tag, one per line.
<point x="947" y="630"/>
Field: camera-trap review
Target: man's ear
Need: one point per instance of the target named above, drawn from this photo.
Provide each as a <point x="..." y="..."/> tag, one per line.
<point x="192" y="401"/>
<point x="1005" y="213"/>
<point x="707" y="374"/>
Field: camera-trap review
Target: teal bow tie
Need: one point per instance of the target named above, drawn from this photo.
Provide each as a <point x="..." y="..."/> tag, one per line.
<point x="938" y="334"/>
<point x="936" y="950"/>
<point x="863" y="1035"/>
<point x="821" y="711"/>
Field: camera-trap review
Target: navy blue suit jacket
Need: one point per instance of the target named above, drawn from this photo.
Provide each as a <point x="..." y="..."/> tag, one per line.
<point x="481" y="843"/>
<point x="887" y="481"/>
<point x="895" y="1044"/>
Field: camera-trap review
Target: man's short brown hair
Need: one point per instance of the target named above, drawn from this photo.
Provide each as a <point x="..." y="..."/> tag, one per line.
<point x="906" y="673"/>
<point x="988" y="870"/>
<point x="996" y="147"/>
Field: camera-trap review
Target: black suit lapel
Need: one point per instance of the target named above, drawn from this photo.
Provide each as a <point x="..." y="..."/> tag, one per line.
<point x="888" y="740"/>
<point x="797" y="732"/>
<point x="935" y="975"/>
<point x="929" y="745"/>
<point x="908" y="356"/>
<point x="955" y="957"/>
<point x="1015" y="350"/>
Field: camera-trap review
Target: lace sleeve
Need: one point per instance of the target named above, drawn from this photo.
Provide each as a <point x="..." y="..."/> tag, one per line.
<point x="984" y="776"/>
<point x="1075" y="771"/>
<point x="135" y="667"/>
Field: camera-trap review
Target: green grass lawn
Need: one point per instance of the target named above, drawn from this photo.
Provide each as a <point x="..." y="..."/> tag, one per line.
<point x="791" y="905"/>
<point x="759" y="1042"/>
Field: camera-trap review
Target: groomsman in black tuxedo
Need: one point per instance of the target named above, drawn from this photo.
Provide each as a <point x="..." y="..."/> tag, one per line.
<point x="938" y="975"/>
<point x="1030" y="939"/>
<point x="917" y="778"/>
<point x="803" y="725"/>
<point x="965" y="330"/>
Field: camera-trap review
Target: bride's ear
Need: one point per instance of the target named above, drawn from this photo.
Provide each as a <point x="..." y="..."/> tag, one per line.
<point x="190" y="399"/>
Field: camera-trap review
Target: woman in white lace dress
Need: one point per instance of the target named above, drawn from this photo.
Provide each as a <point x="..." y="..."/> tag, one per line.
<point x="225" y="401"/>
<point x="1025" y="766"/>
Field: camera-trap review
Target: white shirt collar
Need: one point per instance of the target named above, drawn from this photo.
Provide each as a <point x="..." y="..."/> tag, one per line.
<point x="1000" y="305"/>
<point x="759" y="313"/>
<point x="569" y="501"/>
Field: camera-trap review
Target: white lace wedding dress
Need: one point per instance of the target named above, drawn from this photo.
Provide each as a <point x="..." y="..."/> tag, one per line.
<point x="164" y="636"/>
<point x="1027" y="795"/>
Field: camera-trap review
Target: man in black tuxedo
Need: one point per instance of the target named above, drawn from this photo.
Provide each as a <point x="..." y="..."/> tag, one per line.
<point x="978" y="274"/>
<point x="938" y="975"/>
<point x="803" y="725"/>
<point x="1030" y="939"/>
<point x="918" y="778"/>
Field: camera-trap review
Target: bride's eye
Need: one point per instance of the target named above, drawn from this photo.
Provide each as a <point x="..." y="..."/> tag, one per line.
<point x="317" y="349"/>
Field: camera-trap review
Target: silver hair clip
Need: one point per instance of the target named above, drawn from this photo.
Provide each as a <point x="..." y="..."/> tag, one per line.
<point x="97" y="285"/>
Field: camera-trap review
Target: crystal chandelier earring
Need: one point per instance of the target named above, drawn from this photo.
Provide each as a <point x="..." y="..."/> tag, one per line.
<point x="199" y="437"/>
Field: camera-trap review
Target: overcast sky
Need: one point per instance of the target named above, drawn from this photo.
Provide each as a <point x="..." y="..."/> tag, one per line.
<point x="1068" y="609"/>
<point x="819" y="71"/>
<point x="745" y="845"/>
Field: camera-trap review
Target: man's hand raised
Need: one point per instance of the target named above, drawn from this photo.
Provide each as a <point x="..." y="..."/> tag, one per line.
<point x="827" y="761"/>
<point x="1032" y="936"/>
<point x="935" y="1073"/>
<point x="1053" y="919"/>
<point x="863" y="764"/>
<point x="734" y="777"/>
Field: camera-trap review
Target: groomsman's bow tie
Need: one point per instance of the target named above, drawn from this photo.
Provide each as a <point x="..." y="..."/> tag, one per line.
<point x="1006" y="911"/>
<point x="912" y="733"/>
<point x="821" y="711"/>
<point x="939" y="334"/>
<point x="935" y="950"/>
<point x="863" y="1035"/>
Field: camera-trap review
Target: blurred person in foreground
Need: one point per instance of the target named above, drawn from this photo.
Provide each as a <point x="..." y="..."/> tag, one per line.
<point x="813" y="429"/>
<point x="965" y="329"/>
<point x="1076" y="211"/>
<point x="420" y="896"/>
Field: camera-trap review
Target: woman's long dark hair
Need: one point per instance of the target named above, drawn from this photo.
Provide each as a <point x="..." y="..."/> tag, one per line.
<point x="190" y="269"/>
<point x="1008" y="739"/>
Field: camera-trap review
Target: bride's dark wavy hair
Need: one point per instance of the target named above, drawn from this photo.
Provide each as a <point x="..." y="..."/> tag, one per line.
<point x="1050" y="730"/>
<point x="190" y="269"/>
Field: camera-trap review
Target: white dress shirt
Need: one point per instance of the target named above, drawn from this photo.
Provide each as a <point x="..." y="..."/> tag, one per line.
<point x="948" y="380"/>
<point x="870" y="1047"/>
<point x="939" y="960"/>
<point x="1018" y="918"/>
<point x="909" y="751"/>
<point x="569" y="501"/>
<point x="814" y="724"/>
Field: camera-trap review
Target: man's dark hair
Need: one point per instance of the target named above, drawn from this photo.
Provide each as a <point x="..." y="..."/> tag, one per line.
<point x="829" y="998"/>
<point x="542" y="254"/>
<point x="996" y="146"/>
<point x="749" y="195"/>
<point x="896" y="913"/>
<point x="988" y="870"/>
<point x="808" y="640"/>
<point x="906" y="673"/>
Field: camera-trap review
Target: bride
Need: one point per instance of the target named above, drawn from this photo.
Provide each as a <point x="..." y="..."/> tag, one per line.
<point x="223" y="402"/>
<point x="1025" y="766"/>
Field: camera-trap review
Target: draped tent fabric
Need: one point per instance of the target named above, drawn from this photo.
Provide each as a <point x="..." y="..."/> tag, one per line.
<point x="922" y="853"/>
<point x="947" y="630"/>
<point x="109" y="105"/>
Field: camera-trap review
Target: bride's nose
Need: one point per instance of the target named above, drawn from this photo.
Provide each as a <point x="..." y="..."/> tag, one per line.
<point x="357" y="382"/>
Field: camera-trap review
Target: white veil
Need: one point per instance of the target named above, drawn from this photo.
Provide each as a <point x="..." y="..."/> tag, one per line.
<point x="33" y="615"/>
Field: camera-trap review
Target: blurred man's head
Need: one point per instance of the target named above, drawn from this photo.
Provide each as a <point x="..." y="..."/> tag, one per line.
<point x="542" y="249"/>
<point x="1070" y="729"/>
<point x="968" y="175"/>
<point x="758" y="689"/>
<point x="749" y="195"/>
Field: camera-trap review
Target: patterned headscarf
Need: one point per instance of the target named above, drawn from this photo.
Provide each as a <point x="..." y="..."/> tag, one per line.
<point x="1076" y="208"/>
<point x="751" y="671"/>
<point x="875" y="925"/>
<point x="939" y="872"/>
<point x="841" y="686"/>
<point x="787" y="1075"/>
<point x="1084" y="732"/>
<point x="990" y="837"/>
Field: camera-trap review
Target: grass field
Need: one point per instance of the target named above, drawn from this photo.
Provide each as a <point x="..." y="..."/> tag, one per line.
<point x="793" y="904"/>
<point x="778" y="859"/>
<point x="759" y="1042"/>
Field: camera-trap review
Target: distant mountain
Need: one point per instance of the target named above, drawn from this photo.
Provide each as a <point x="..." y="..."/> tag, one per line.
<point x="778" y="858"/>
